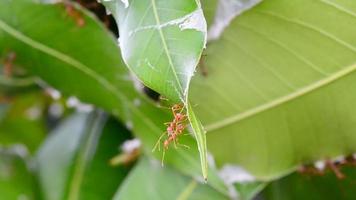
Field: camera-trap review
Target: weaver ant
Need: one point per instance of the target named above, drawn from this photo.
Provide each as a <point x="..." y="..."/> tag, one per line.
<point x="174" y="129"/>
<point x="74" y="14"/>
<point x="8" y="62"/>
<point x="334" y="166"/>
<point x="202" y="66"/>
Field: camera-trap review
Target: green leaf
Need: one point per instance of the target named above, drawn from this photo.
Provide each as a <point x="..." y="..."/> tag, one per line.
<point x="279" y="86"/>
<point x="76" y="156"/>
<point x="249" y="190"/>
<point x="14" y="83"/>
<point x="148" y="180"/>
<point x="302" y="186"/>
<point x="209" y="8"/>
<point x="199" y="134"/>
<point x="22" y="121"/>
<point x="113" y="135"/>
<point x="16" y="181"/>
<point x="69" y="65"/>
<point x="161" y="42"/>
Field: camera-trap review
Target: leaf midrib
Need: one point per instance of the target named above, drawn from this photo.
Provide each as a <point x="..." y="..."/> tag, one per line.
<point x="92" y="134"/>
<point x="165" y="47"/>
<point x="72" y="62"/>
<point x="78" y="65"/>
<point x="188" y="190"/>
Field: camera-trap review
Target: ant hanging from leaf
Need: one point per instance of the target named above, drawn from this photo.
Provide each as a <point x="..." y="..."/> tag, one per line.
<point x="74" y="14"/>
<point x="175" y="128"/>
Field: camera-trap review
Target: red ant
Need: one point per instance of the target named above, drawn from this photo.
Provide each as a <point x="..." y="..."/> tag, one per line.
<point x="333" y="166"/>
<point x="74" y="14"/>
<point x="202" y="66"/>
<point x="9" y="60"/>
<point x="174" y="129"/>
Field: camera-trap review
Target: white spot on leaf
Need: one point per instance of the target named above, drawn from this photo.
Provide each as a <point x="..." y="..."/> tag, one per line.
<point x="126" y="3"/>
<point x="130" y="145"/>
<point x="194" y="20"/>
<point x="33" y="113"/>
<point x="320" y="165"/>
<point x="55" y="94"/>
<point x="137" y="102"/>
<point x="73" y="102"/>
<point x="129" y="125"/>
<point x="235" y="174"/>
<point x="56" y="109"/>
<point x="227" y="10"/>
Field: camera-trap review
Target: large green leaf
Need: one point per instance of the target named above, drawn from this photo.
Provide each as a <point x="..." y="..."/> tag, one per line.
<point x="85" y="62"/>
<point x="308" y="187"/>
<point x="148" y="180"/>
<point x="161" y="42"/>
<point x="279" y="90"/>
<point x="76" y="157"/>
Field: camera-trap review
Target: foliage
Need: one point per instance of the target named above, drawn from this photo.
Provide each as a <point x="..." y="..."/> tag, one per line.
<point x="273" y="90"/>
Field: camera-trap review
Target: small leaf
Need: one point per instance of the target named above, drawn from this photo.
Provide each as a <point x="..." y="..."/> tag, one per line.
<point x="199" y="134"/>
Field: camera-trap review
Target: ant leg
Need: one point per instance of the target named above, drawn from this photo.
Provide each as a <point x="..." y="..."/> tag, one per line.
<point x="183" y="145"/>
<point x="165" y="107"/>
<point x="335" y="169"/>
<point x="158" y="143"/>
<point x="202" y="66"/>
<point x="8" y="63"/>
<point x="178" y="110"/>
<point x="175" y="144"/>
<point x="163" y="98"/>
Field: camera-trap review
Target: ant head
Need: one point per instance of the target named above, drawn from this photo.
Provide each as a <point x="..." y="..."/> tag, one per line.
<point x="169" y="129"/>
<point x="179" y="116"/>
<point x="177" y="106"/>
